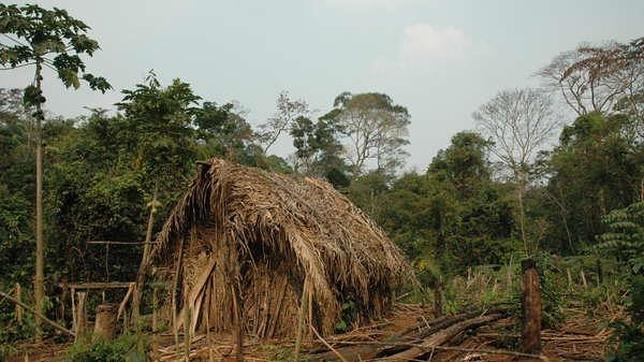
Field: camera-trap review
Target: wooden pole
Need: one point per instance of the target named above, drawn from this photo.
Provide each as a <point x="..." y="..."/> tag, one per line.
<point x="155" y="327"/>
<point x="300" y="318"/>
<point x="18" y="307"/>
<point x="175" y="286"/>
<point x="37" y="314"/>
<point x="531" y="332"/>
<point x="239" y="333"/>
<point x="438" y="298"/>
<point x="39" y="280"/>
<point x="81" y="317"/>
<point x="583" y="278"/>
<point x="140" y="276"/>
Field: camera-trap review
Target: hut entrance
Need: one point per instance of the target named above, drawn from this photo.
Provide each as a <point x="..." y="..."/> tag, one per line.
<point x="269" y="287"/>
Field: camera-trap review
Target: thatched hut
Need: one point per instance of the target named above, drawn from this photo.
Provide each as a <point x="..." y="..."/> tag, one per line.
<point x="255" y="248"/>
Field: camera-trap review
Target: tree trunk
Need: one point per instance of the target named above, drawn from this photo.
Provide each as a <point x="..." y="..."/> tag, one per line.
<point x="140" y="276"/>
<point x="520" y="189"/>
<point x="39" y="280"/>
<point x="438" y="299"/>
<point x="531" y="333"/>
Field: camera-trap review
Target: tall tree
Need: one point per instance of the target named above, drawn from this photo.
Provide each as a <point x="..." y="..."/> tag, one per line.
<point x="596" y="78"/>
<point x="520" y="123"/>
<point x="376" y="129"/>
<point x="223" y="132"/>
<point x="288" y="110"/>
<point x="595" y="168"/>
<point x="161" y="122"/>
<point x="318" y="151"/>
<point x="51" y="39"/>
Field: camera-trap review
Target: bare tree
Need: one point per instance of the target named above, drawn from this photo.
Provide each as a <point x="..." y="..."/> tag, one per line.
<point x="375" y="127"/>
<point x="596" y="78"/>
<point x="520" y="122"/>
<point x="288" y="110"/>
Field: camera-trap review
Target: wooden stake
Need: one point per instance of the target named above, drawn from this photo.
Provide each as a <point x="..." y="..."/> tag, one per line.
<point x="300" y="318"/>
<point x="509" y="276"/>
<point x="187" y="335"/>
<point x="18" y="307"/>
<point x="74" y="322"/>
<point x="175" y="285"/>
<point x="438" y="298"/>
<point x="531" y="332"/>
<point x="140" y="276"/>
<point x="211" y="357"/>
<point x="239" y="334"/>
<point x="583" y="278"/>
<point x="81" y="317"/>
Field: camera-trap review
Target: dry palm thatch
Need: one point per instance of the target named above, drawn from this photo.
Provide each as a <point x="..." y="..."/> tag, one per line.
<point x="273" y="243"/>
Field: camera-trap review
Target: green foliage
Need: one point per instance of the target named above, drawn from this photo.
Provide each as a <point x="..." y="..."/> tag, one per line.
<point x="126" y="348"/>
<point x="51" y="38"/>
<point x="281" y="353"/>
<point x="625" y="236"/>
<point x="552" y="289"/>
<point x="347" y="315"/>
<point x="631" y="334"/>
<point x="455" y="214"/>
<point x="318" y="150"/>
<point x="595" y="169"/>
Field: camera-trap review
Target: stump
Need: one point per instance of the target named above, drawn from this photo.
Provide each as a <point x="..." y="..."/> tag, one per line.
<point x="105" y="326"/>
<point x="531" y="333"/>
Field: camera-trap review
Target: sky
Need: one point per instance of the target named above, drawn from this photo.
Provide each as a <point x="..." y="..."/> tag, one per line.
<point x="441" y="59"/>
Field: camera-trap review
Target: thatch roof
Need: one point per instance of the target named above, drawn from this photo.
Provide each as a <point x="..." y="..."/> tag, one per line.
<point x="270" y="237"/>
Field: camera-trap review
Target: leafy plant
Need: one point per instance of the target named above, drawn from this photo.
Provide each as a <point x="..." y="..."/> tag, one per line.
<point x="631" y="334"/>
<point x="127" y="348"/>
<point x="625" y="235"/>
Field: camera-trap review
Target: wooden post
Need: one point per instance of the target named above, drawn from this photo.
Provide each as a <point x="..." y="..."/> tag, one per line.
<point x="508" y="276"/>
<point x="18" y="313"/>
<point x="300" y="318"/>
<point x="583" y="278"/>
<point x="81" y="314"/>
<point x="105" y="326"/>
<point x="187" y="333"/>
<point x="140" y="276"/>
<point x="531" y="332"/>
<point x="238" y="320"/>
<point x="155" y="326"/>
<point x="438" y="298"/>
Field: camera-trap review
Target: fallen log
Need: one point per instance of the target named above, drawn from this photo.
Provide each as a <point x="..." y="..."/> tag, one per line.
<point x="441" y="337"/>
<point x="414" y="335"/>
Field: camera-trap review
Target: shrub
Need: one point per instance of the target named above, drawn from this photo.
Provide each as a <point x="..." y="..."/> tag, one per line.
<point x="128" y="348"/>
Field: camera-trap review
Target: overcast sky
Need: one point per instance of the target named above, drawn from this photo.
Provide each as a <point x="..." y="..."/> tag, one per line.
<point x="441" y="59"/>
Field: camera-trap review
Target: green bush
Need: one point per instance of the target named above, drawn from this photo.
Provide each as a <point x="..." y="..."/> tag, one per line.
<point x="631" y="333"/>
<point x="127" y="348"/>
